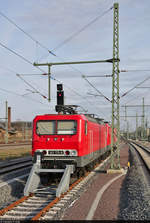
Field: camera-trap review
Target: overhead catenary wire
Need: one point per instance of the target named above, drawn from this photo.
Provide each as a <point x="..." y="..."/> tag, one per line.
<point x="44" y="74"/>
<point x="23" y="58"/>
<point x="81" y="30"/>
<point x="37" y="42"/>
<point x="27" y="34"/>
<point x="62" y="43"/>
<point x="134" y="98"/>
<point x="135" y="70"/>
<point x="75" y="34"/>
<point x="137" y="96"/>
<point x="96" y="89"/>
<point x="28" y="61"/>
<point x="31" y="86"/>
<point x="135" y="86"/>
<point x="14" y="93"/>
<point x="138" y="70"/>
<point x="17" y="54"/>
<point x="107" y="75"/>
<point x="7" y="69"/>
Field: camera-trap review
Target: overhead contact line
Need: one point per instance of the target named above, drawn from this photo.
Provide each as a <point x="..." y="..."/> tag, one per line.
<point x="27" y="34"/>
<point x="81" y="30"/>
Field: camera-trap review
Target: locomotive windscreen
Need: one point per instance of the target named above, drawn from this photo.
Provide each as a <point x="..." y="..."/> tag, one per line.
<point x="53" y="127"/>
<point x="46" y="128"/>
<point x="66" y="127"/>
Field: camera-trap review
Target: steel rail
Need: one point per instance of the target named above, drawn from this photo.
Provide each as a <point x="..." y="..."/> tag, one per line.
<point x="14" y="204"/>
<point x="143" y="152"/>
<point x="7" y="167"/>
<point x="49" y="204"/>
<point x="141" y="146"/>
<point x="42" y="212"/>
<point x="15" y="144"/>
<point x="4" y="164"/>
<point x="15" y="167"/>
<point x="56" y="200"/>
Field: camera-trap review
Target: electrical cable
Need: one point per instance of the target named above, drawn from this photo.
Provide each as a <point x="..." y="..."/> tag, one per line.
<point x="22" y="57"/>
<point x="37" y="42"/>
<point x="8" y="69"/>
<point x="17" y="54"/>
<point x="26" y="60"/>
<point x="11" y="92"/>
<point x="65" y="41"/>
<point x="97" y="90"/>
<point x="81" y="30"/>
<point x="135" y="97"/>
<point x="132" y="70"/>
<point x="44" y="74"/>
<point x="31" y="86"/>
<point x="135" y="87"/>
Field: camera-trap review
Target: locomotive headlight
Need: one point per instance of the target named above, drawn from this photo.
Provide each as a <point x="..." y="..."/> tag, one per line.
<point x="73" y="152"/>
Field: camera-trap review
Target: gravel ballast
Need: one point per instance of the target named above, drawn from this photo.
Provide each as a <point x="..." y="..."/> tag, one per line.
<point x="126" y="199"/>
<point x="135" y="192"/>
<point x="14" y="190"/>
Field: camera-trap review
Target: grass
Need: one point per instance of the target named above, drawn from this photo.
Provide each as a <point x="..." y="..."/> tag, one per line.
<point x="14" y="153"/>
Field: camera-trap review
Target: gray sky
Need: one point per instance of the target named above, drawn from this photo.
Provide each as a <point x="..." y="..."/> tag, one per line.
<point x="52" y="22"/>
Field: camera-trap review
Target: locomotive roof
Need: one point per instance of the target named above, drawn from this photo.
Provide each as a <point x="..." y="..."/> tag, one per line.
<point x="89" y="117"/>
<point x="96" y="120"/>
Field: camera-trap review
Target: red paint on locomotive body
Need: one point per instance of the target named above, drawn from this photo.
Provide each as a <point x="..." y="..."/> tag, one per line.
<point x="108" y="134"/>
<point x="73" y="136"/>
<point x="57" y="141"/>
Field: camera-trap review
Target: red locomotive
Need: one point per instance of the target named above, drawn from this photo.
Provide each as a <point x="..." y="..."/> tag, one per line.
<point x="65" y="143"/>
<point x="70" y="139"/>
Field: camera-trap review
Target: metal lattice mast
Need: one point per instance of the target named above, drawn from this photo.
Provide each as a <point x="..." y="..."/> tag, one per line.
<point x="146" y="126"/>
<point x="127" y="130"/>
<point x="115" y="90"/>
<point x="125" y="113"/>
<point x="136" y="126"/>
<point x="143" y="121"/>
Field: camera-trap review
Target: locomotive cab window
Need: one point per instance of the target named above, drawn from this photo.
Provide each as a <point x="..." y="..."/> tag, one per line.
<point x="66" y="127"/>
<point x="46" y="127"/>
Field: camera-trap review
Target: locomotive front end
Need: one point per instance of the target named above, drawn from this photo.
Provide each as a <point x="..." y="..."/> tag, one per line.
<point x="56" y="138"/>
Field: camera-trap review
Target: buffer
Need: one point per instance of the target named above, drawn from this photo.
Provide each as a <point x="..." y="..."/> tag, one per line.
<point x="33" y="180"/>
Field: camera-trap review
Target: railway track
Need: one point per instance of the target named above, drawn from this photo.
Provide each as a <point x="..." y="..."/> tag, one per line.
<point x="43" y="203"/>
<point x="15" y="144"/>
<point x="16" y="164"/>
<point x="144" y="153"/>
